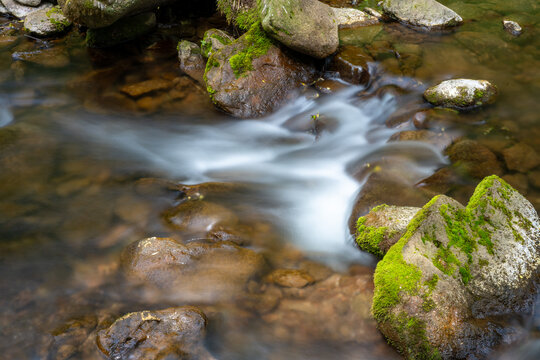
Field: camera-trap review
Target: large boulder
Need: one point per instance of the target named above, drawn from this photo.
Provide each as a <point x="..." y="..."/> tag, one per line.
<point x="199" y="271"/>
<point x="421" y="13"/>
<point x="444" y="290"/>
<point x="253" y="76"/>
<point x="173" y="333"/>
<point x="102" y="13"/>
<point x="307" y="26"/>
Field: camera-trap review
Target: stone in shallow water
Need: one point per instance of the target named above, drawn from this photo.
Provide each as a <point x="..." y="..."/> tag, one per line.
<point x="443" y="289"/>
<point x="521" y="157"/>
<point x="512" y="27"/>
<point x="352" y="63"/>
<point x="191" y="60"/>
<point x="422" y="13"/>
<point x="173" y="333"/>
<point x="290" y="278"/>
<point x="348" y="17"/>
<point x="53" y="57"/>
<point x="46" y="22"/>
<point x="474" y="159"/>
<point x="146" y="87"/>
<point x="461" y="94"/>
<point x="19" y="10"/>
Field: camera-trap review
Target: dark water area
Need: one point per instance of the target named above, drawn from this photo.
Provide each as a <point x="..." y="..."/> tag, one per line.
<point x="85" y="170"/>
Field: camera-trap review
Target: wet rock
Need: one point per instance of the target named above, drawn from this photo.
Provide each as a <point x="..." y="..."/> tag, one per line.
<point x="521" y="157"/>
<point x="512" y="27"/>
<point x="307" y="26"/>
<point x="146" y="87"/>
<point x="7" y="41"/>
<point x="121" y="31"/>
<point x="374" y="13"/>
<point x="352" y="63"/>
<point x="349" y="17"/>
<point x="441" y="140"/>
<point x="173" y="333"/>
<point x="46" y="22"/>
<point x="214" y="40"/>
<point x="199" y="216"/>
<point x="290" y="278"/>
<point x="191" y="60"/>
<point x="421" y="13"/>
<point x="461" y="94"/>
<point x="474" y="159"/>
<point x="443" y="289"/>
<point x="52" y="57"/>
<point x="359" y="36"/>
<point x="383" y="227"/>
<point x="329" y="86"/>
<point x="68" y="338"/>
<point x="102" y="13"/>
<point x="251" y="77"/>
<point x="197" y="271"/>
<point x="442" y="181"/>
<point x="437" y="118"/>
<point x="20" y="10"/>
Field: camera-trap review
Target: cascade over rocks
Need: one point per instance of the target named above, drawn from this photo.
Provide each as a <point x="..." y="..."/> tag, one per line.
<point x="443" y="289"/>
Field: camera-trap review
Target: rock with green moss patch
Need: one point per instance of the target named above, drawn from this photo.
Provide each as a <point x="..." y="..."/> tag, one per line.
<point x="252" y="76"/>
<point x="47" y="22"/>
<point x="214" y="40"/>
<point x="122" y="31"/>
<point x="443" y="290"/>
<point x="191" y="60"/>
<point x="307" y="26"/>
<point x="234" y="9"/>
<point x="382" y="227"/>
<point x="421" y="13"/>
<point x="461" y="94"/>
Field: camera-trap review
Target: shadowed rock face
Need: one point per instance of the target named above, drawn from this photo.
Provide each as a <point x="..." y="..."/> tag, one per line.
<point x="421" y="13"/>
<point x="174" y="333"/>
<point x="443" y="290"/>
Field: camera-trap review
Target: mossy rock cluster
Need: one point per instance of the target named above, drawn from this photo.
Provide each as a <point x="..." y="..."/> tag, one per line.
<point x="441" y="290"/>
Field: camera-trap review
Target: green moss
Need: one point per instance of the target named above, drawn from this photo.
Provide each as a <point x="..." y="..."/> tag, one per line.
<point x="369" y="237"/>
<point x="257" y="43"/>
<point x="60" y="25"/>
<point x="211" y="63"/>
<point x="413" y="333"/>
<point x="245" y="20"/>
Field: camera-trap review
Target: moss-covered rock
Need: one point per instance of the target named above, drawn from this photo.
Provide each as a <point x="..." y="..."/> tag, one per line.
<point x="191" y="60"/>
<point x="441" y="290"/>
<point x="421" y="13"/>
<point x="383" y="227"/>
<point x="307" y="26"/>
<point x="47" y="22"/>
<point x="461" y="94"/>
<point x="214" y="40"/>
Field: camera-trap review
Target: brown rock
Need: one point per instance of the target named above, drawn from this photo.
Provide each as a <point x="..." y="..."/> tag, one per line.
<point x="474" y="159"/>
<point x="534" y="178"/>
<point x="442" y="181"/>
<point x="352" y="63"/>
<point x="173" y="333"/>
<point x="55" y="57"/>
<point x="290" y="278"/>
<point x="441" y="140"/>
<point x="521" y="157"/>
<point x="518" y="181"/>
<point x="146" y="87"/>
<point x="191" y="60"/>
<point x="437" y="118"/>
<point x="199" y="216"/>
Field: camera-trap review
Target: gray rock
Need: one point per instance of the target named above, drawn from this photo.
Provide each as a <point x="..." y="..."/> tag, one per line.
<point x="373" y="13"/>
<point x="173" y="333"/>
<point x="214" y="40"/>
<point x="101" y="13"/>
<point x="307" y="26"/>
<point x="461" y="94"/>
<point x="348" y="18"/>
<point x="3" y="9"/>
<point x="442" y="289"/>
<point x="122" y="31"/>
<point x="421" y="13"/>
<point x="16" y="9"/>
<point x="191" y="60"/>
<point x="33" y="3"/>
<point x="383" y="227"/>
<point x="512" y="27"/>
<point x="46" y="22"/>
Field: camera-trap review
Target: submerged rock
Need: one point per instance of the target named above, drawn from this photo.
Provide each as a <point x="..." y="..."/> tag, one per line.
<point x="20" y="10"/>
<point x="521" y="157"/>
<point x="191" y="60"/>
<point x="461" y="94"/>
<point x="512" y="27"/>
<point x="474" y="159"/>
<point x="290" y="278"/>
<point x="196" y="271"/>
<point x="443" y="289"/>
<point x="47" y="22"/>
<point x="352" y="64"/>
<point x="252" y="76"/>
<point x="348" y="18"/>
<point x="122" y="31"/>
<point x="307" y="26"/>
<point x="421" y="13"/>
<point x="382" y="227"/>
<point x="173" y="333"/>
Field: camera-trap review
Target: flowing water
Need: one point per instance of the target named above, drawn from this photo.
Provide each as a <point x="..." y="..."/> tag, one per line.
<point x="85" y="170"/>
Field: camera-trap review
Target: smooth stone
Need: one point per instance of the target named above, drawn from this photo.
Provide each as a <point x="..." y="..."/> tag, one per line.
<point x="192" y="62"/>
<point x="474" y="159"/>
<point x="441" y="140"/>
<point x="512" y="27"/>
<point x="306" y="26"/>
<point x="461" y="94"/>
<point x="421" y="13"/>
<point x="349" y="17"/>
<point x="521" y="157"/>
<point x="146" y="87"/>
<point x="290" y="278"/>
<point x="352" y="64"/>
<point x="20" y="11"/>
<point x="46" y="22"/>
<point x="33" y="3"/>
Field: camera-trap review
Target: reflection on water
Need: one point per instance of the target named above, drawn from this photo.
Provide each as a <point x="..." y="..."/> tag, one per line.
<point x="86" y="170"/>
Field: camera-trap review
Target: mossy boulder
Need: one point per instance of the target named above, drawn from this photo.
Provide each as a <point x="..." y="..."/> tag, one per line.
<point x="307" y="26"/>
<point x="421" y="13"/>
<point x="461" y="94"/>
<point x="214" y="40"/>
<point x="121" y="31"/>
<point x="444" y="290"/>
<point x="383" y="227"/>
<point x="253" y="75"/>
<point x="47" y="22"/>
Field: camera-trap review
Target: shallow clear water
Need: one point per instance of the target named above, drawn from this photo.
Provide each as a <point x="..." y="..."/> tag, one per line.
<point x="86" y="171"/>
